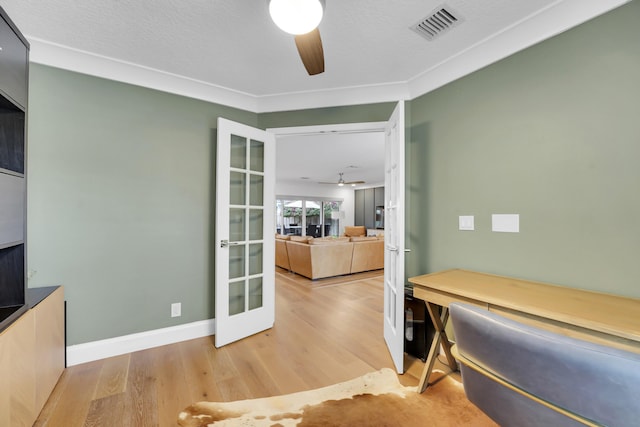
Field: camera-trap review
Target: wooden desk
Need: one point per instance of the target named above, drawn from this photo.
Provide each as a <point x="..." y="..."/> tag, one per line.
<point x="602" y="318"/>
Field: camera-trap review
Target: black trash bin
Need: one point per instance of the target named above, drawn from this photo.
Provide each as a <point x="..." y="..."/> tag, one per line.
<point x="418" y="328"/>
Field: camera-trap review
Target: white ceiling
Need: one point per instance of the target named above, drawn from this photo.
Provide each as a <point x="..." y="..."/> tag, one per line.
<point x="230" y="52"/>
<point x="310" y="159"/>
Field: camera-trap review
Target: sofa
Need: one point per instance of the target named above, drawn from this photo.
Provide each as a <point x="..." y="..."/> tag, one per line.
<point x="368" y="254"/>
<point x="317" y="258"/>
<point x="354" y="231"/>
<point x="282" y="257"/>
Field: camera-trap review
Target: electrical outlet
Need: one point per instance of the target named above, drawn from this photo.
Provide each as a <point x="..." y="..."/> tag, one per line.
<point x="176" y="309"/>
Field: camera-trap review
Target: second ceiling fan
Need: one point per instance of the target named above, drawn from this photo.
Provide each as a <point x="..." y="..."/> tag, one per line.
<point x="341" y="182"/>
<point x="301" y="18"/>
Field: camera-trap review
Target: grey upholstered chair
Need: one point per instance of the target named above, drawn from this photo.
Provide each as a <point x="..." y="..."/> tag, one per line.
<point x="524" y="376"/>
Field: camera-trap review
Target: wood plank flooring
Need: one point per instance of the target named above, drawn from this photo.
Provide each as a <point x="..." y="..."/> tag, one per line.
<point x="323" y="335"/>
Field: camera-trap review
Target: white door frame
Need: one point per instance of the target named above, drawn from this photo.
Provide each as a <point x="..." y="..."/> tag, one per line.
<point x="327" y="130"/>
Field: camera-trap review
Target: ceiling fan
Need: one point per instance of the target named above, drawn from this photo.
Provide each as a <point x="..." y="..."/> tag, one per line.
<point x="301" y="18"/>
<point x="341" y="182"/>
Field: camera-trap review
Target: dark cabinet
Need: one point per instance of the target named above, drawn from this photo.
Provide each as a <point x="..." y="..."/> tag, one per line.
<point x="358" y="207"/>
<point x="14" y="60"/>
<point x="369" y="207"/>
<point x="13" y="100"/>
<point x="379" y="207"/>
<point x="378" y="196"/>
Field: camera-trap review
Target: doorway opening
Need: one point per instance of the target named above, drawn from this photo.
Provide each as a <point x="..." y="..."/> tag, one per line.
<point x="392" y="132"/>
<point x="324" y="164"/>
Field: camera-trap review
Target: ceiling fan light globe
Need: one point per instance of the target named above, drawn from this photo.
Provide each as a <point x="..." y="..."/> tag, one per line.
<point x="340" y="184"/>
<point x="296" y="16"/>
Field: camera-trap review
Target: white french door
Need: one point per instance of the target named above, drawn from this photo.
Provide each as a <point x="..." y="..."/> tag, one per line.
<point x="394" y="237"/>
<point x="245" y="206"/>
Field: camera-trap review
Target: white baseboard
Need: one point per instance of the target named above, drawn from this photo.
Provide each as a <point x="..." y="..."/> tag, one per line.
<point x="96" y="350"/>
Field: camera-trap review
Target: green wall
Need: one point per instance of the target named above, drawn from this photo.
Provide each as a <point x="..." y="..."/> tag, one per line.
<point x="120" y="201"/>
<point x="121" y="197"/>
<point x="121" y="193"/>
<point x="551" y="133"/>
<point x="328" y="116"/>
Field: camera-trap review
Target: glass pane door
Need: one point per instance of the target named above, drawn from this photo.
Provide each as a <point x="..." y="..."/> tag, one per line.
<point x="246" y="231"/>
<point x="313" y="218"/>
<point x="245" y="197"/>
<point x="292" y="217"/>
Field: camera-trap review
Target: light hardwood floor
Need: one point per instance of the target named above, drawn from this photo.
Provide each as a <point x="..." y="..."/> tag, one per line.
<point x="323" y="335"/>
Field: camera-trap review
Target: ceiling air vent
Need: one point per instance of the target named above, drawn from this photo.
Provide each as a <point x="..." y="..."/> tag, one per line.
<point x="438" y="22"/>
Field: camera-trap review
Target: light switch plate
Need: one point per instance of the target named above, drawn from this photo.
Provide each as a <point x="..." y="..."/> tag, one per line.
<point x="465" y="222"/>
<point x="505" y="223"/>
<point x="176" y="309"/>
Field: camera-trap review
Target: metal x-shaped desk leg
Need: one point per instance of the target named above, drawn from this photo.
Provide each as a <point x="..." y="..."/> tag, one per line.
<point x="440" y="337"/>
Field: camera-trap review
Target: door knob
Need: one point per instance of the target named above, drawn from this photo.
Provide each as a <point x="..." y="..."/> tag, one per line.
<point x="225" y="243"/>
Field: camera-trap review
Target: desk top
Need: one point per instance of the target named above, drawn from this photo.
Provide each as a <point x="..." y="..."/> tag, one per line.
<point x="607" y="313"/>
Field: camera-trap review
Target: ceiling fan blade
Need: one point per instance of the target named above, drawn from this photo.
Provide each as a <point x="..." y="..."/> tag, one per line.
<point x="355" y="182"/>
<point x="310" y="49"/>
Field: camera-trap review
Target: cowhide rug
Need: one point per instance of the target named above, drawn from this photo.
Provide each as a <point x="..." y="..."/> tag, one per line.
<point x="375" y="399"/>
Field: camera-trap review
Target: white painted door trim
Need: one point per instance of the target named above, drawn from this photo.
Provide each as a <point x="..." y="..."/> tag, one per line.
<point x="396" y="346"/>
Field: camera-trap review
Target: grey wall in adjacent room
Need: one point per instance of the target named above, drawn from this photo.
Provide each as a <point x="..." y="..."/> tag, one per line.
<point x="551" y="133"/>
<point x="121" y="198"/>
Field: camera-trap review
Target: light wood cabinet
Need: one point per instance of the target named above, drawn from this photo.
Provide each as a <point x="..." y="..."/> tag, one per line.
<point x="32" y="357"/>
<point x="18" y="394"/>
<point x="50" y="345"/>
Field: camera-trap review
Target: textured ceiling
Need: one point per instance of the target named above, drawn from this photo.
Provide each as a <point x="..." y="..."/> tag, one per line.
<point x="205" y="48"/>
<point x="234" y="44"/>
<point x="309" y="159"/>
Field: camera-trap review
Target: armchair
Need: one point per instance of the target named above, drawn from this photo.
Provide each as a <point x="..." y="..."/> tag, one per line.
<point x="521" y="375"/>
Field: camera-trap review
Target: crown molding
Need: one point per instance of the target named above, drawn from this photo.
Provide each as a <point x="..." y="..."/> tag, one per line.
<point x="66" y="58"/>
<point x="556" y="18"/>
<point x="546" y="23"/>
<point x="355" y="95"/>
